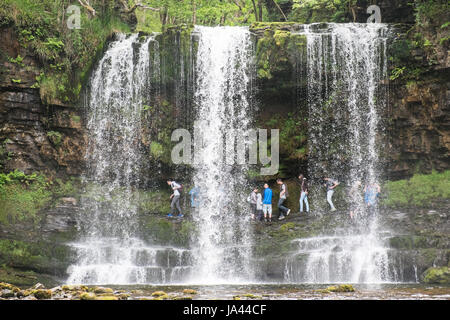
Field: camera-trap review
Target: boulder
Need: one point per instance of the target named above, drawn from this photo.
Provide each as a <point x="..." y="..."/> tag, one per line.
<point x="440" y="275"/>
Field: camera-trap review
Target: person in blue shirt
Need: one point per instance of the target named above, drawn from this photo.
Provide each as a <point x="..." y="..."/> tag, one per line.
<point x="371" y="193"/>
<point x="267" y="203"/>
<point x="195" y="200"/>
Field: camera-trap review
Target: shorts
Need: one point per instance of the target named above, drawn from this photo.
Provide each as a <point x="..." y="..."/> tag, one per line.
<point x="267" y="208"/>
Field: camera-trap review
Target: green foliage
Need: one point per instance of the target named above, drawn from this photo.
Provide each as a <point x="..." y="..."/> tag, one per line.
<point x="17" y="60"/>
<point x="5" y="155"/>
<point x="309" y="11"/>
<point x="292" y="134"/>
<point x="66" y="55"/>
<point x="206" y="12"/>
<point x="397" y="72"/>
<point x="430" y="12"/>
<point x="55" y="137"/>
<point x="154" y="201"/>
<point x="22" y="196"/>
<point x="418" y="191"/>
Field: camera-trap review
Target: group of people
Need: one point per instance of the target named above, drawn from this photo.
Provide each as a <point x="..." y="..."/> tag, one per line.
<point x="261" y="204"/>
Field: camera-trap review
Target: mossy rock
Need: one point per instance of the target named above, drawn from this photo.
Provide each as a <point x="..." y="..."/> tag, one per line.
<point x="42" y="294"/>
<point x="88" y="296"/>
<point x="123" y="296"/>
<point x="341" y="288"/>
<point x="8" y="286"/>
<point x="440" y="275"/>
<point x="108" y="298"/>
<point x="98" y="290"/>
<point x="190" y="291"/>
<point x="158" y="294"/>
<point x="74" y="288"/>
<point x="7" y="293"/>
<point x="250" y="296"/>
<point x="182" y="298"/>
<point x="162" y="297"/>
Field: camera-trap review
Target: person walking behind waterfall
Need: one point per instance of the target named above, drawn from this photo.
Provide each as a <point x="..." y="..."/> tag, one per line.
<point x="253" y="199"/>
<point x="283" y="195"/>
<point x="175" y="196"/>
<point x="330" y="184"/>
<point x="303" y="193"/>
<point x="259" y="206"/>
<point x="267" y="202"/>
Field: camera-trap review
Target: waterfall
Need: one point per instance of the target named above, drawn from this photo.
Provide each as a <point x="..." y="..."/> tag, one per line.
<point x="346" y="65"/>
<point x="222" y="98"/>
<point x="109" y="250"/>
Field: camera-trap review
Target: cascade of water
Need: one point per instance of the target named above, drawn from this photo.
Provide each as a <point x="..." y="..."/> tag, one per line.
<point x="223" y="76"/>
<point x="346" y="64"/>
<point x="109" y="251"/>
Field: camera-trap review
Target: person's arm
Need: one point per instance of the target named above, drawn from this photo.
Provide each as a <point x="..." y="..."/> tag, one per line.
<point x="335" y="184"/>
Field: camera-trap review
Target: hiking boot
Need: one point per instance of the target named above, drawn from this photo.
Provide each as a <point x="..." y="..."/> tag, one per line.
<point x="170" y="215"/>
<point x="281" y="218"/>
<point x="334" y="209"/>
<point x="289" y="211"/>
<point x="265" y="220"/>
<point x="180" y="215"/>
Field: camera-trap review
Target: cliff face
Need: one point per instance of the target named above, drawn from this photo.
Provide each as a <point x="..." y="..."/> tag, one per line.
<point x="35" y="137"/>
<point x="420" y="131"/>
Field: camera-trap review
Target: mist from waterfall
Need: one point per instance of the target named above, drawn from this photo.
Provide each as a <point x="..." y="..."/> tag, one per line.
<point x="109" y="250"/>
<point x="223" y="71"/>
<point x="346" y="66"/>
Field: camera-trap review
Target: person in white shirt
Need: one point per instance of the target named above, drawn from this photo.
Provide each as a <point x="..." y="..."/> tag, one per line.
<point x="175" y="196"/>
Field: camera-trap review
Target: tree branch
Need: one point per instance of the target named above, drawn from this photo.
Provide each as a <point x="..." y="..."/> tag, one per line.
<point x="126" y="9"/>
<point x="279" y="8"/>
<point x="85" y="4"/>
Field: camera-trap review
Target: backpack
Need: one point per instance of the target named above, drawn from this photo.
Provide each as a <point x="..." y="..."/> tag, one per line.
<point x="180" y="189"/>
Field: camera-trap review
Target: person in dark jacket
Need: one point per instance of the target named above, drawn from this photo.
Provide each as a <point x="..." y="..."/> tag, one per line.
<point x="283" y="196"/>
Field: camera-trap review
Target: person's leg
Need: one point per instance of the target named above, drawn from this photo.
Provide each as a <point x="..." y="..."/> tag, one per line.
<point x="177" y="204"/>
<point x="302" y="196"/>
<point x="265" y="209"/>
<point x="280" y="211"/>
<point x="306" y="202"/>
<point x="329" y="199"/>
<point x="270" y="212"/>
<point x="285" y="209"/>
<point x="172" y="206"/>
